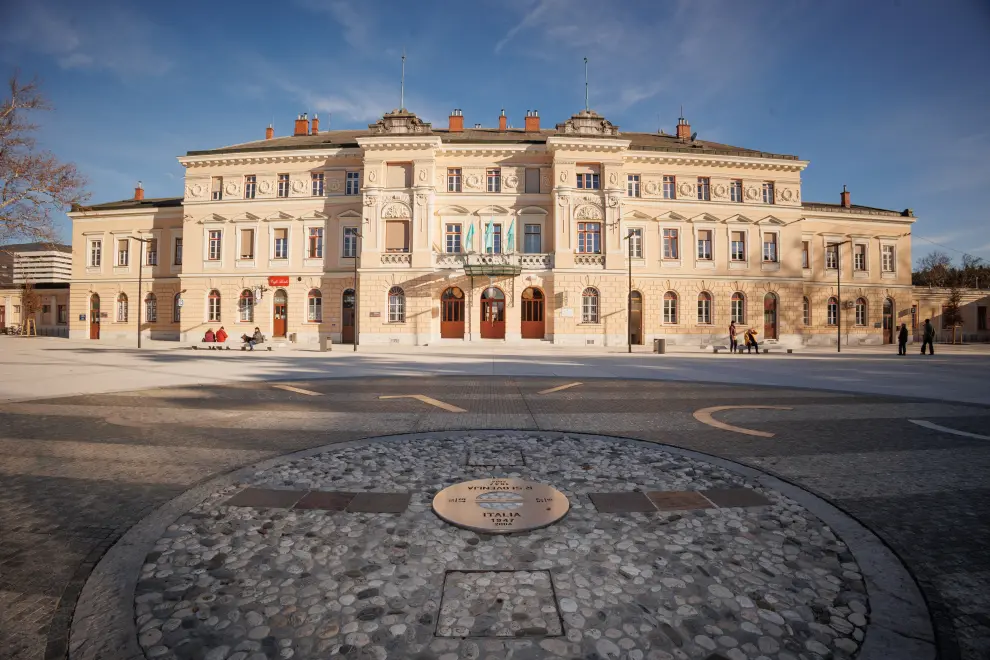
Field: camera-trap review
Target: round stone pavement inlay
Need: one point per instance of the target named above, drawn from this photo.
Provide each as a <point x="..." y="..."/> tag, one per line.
<point x="767" y="581"/>
<point x="500" y="505"/>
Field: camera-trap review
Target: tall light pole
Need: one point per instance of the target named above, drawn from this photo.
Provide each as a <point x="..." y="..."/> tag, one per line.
<point x="629" y="293"/>
<point x="140" y="301"/>
<point x="357" y="251"/>
<point x="838" y="295"/>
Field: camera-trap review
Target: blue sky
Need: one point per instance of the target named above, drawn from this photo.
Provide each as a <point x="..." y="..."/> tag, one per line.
<point x="890" y="97"/>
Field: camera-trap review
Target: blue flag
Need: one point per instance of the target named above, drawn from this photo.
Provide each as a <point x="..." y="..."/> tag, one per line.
<point x="490" y="236"/>
<point x="470" y="238"/>
<point x="510" y="238"/>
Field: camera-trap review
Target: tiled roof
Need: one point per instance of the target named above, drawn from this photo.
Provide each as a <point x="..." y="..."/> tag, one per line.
<point x="854" y="208"/>
<point x="348" y="138"/>
<point x="36" y="247"/>
<point x="147" y="203"/>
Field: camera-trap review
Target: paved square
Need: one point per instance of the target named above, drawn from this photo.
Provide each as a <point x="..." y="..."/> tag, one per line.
<point x="379" y="502"/>
<point x="731" y="497"/>
<point x="679" y="500"/>
<point x="263" y="498"/>
<point x="498" y="604"/>
<point x="324" y="500"/>
<point x="497" y="458"/>
<point x="621" y="502"/>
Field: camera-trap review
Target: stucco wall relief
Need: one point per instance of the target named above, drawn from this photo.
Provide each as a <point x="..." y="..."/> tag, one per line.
<point x="472" y="181"/>
<point x="588" y="212"/>
<point x="195" y="190"/>
<point x="720" y="191"/>
<point x="396" y="210"/>
<point x="752" y="193"/>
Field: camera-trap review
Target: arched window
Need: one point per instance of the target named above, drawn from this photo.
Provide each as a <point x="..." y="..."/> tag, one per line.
<point x="177" y="308"/>
<point x="589" y="306"/>
<point x="832" y="311"/>
<point x="122" y="308"/>
<point x="245" y="306"/>
<point x="151" y="308"/>
<point x="806" y="311"/>
<point x="396" y="305"/>
<point x="213" y="306"/>
<point x="861" y="316"/>
<point x="738" y="307"/>
<point x="704" y="308"/>
<point x="670" y="308"/>
<point x="314" y="308"/>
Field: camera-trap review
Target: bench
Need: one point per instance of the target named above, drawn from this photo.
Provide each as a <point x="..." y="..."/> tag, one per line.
<point x="716" y="349"/>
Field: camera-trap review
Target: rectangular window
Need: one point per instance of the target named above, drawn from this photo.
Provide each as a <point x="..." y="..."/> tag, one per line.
<point x="669" y="187"/>
<point x="95" y="253"/>
<point x="315" y="245"/>
<point x="981" y="317"/>
<point x="216" y="188"/>
<point x="350" y="242"/>
<point x="281" y="244"/>
<point x="177" y="252"/>
<point x="496" y="246"/>
<point x="735" y="190"/>
<point x="887" y="261"/>
<point x="860" y="314"/>
<point x="632" y="185"/>
<point x="283" y="185"/>
<point x="247" y="244"/>
<point x="832" y="312"/>
<point x="805" y="254"/>
<point x="123" y="252"/>
<point x="859" y="257"/>
<point x="315" y="313"/>
<point x="588" y="181"/>
<point x="636" y="243"/>
<point x="532" y="180"/>
<point x="214" y="245"/>
<point x="670" y="247"/>
<point x="494" y="176"/>
<point x="704" y="310"/>
<point x="399" y="175"/>
<point x="353" y="184"/>
<point x="63" y="314"/>
<point x="589" y="237"/>
<point x="151" y="309"/>
<point x="454" y="179"/>
<point x="806" y="311"/>
<point x="738" y="246"/>
<point x="250" y="186"/>
<point x="831" y="257"/>
<point x="452" y="238"/>
<point x="704" y="188"/>
<point x="317" y="180"/>
<point x="151" y="255"/>
<point x="770" y="248"/>
<point x="768" y="192"/>
<point x="533" y="241"/>
<point x="397" y="236"/>
<point x="705" y="244"/>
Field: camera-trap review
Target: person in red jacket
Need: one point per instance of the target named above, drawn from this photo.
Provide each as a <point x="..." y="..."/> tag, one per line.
<point x="221" y="335"/>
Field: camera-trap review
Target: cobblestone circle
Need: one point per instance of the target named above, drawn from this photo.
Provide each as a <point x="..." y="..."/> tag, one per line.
<point x="240" y="583"/>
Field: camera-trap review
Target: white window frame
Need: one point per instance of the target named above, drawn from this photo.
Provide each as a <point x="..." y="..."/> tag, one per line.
<point x="254" y="244"/>
<point x="245" y="312"/>
<point x="396" y="305"/>
<point x="705" y="313"/>
<point x="865" y="270"/>
<point x="214" y="315"/>
<point x="636" y="243"/>
<point x="209" y="251"/>
<point x="493" y="179"/>
<point x="453" y="238"/>
<point x="314" y="306"/>
<point x="455" y="180"/>
<point x="744" y="261"/>
<point x="704" y="189"/>
<point x="591" y="312"/>
<point x="352" y="183"/>
<point x="671" y="312"/>
<point x="632" y="185"/>
<point x="95" y="253"/>
<point x="539" y="226"/>
<point x="888" y="267"/>
<point x="597" y="234"/>
<point x="151" y="307"/>
<point x="250" y="186"/>
<point x="273" y="246"/>
<point x="320" y="245"/>
<point x="736" y="193"/>
<point x="216" y="188"/>
<point x="704" y="260"/>
<point x="283" y="183"/>
<point x="831" y="312"/>
<point x="348" y="235"/>
<point x="776" y="247"/>
<point x="588" y="181"/>
<point x="671" y="192"/>
<point x="150" y="255"/>
<point x="805" y="311"/>
<point x="737" y="312"/>
<point x="121" y="307"/>
<point x="676" y="257"/>
<point x="318" y="182"/>
<point x="768" y="190"/>
<point x="862" y="312"/>
<point x="123" y="256"/>
<point x="809" y="241"/>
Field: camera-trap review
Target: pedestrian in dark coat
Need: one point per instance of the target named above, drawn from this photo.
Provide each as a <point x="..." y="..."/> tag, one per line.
<point x="928" y="338"/>
<point x="902" y="340"/>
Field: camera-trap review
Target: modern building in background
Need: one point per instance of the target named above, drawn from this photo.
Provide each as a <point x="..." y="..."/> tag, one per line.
<point x="47" y="268"/>
<point x="518" y="234"/>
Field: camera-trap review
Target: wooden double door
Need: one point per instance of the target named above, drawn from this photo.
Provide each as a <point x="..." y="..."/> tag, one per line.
<point x="347" y="318"/>
<point x="888" y="321"/>
<point x="492" y="313"/>
<point x="534" y="325"/>
<point x="280" y="315"/>
<point x="452" y="314"/>
<point x="94" y="317"/>
<point x="770" y="316"/>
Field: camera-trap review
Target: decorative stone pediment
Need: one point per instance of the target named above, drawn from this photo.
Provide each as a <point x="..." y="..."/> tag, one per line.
<point x="452" y="210"/>
<point x="211" y="218"/>
<point x="588" y="122"/>
<point x="636" y="215"/>
<point x="532" y="210"/>
<point x="313" y="215"/>
<point x="349" y="214"/>
<point x="396" y="210"/>
<point x="493" y="210"/>
<point x="587" y="212"/>
<point x="278" y="215"/>
<point x="671" y="215"/>
<point x="704" y="217"/>
<point x="739" y="218"/>
<point x="770" y="220"/>
<point x="400" y="122"/>
<point x="245" y="217"/>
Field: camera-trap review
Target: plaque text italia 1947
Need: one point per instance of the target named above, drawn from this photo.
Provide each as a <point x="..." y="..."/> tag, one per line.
<point x="500" y="506"/>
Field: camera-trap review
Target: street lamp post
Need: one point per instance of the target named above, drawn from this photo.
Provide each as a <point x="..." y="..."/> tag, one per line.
<point x="629" y="293"/>
<point x="141" y="241"/>
<point x="838" y="295"/>
<point x="357" y="251"/>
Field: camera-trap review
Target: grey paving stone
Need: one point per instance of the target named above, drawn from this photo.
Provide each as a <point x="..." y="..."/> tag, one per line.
<point x="732" y="497"/>
<point x="324" y="500"/>
<point x="266" y="498"/>
<point x="621" y="502"/>
<point x="678" y="500"/>
<point x="379" y="502"/>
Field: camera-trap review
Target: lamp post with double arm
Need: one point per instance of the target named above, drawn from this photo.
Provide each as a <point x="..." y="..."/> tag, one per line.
<point x="140" y="265"/>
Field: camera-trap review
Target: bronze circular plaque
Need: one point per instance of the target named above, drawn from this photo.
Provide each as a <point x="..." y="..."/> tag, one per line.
<point x="500" y="506"/>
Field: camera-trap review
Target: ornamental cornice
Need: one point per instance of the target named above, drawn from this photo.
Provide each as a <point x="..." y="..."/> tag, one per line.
<point x="492" y="150"/>
<point x="561" y="143"/>
<point x="387" y="142"/>
<point x="307" y="156"/>
<point x="716" y="161"/>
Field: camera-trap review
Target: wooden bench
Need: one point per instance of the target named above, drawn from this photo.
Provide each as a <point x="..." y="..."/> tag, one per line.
<point x="716" y="349"/>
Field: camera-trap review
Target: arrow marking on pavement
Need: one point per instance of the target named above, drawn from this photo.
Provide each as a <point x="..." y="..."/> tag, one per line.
<point x="425" y="399"/>
<point x="945" y="429"/>
<point x="298" y="390"/>
<point x="559" y="388"/>
<point x="705" y="417"/>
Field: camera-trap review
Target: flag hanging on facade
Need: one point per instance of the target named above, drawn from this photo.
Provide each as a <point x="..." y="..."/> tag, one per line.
<point x="490" y="236"/>
<point x="470" y="237"/>
<point x="510" y="238"/>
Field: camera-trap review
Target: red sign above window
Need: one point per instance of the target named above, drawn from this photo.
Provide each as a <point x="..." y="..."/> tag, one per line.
<point x="278" y="280"/>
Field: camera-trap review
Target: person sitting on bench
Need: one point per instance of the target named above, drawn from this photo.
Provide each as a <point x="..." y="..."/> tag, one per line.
<point x="252" y="340"/>
<point x="751" y="342"/>
<point x="210" y="337"/>
<point x="221" y="336"/>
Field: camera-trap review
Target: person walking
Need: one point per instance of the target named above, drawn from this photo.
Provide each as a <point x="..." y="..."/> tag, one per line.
<point x="751" y="342"/>
<point x="902" y="340"/>
<point x="733" y="342"/>
<point x="928" y="338"/>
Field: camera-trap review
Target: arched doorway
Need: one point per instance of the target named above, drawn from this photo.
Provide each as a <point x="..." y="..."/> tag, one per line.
<point x="452" y="314"/>
<point x="347" y="317"/>
<point x="533" y="314"/>
<point x="280" y="316"/>
<point x="94" y="316"/>
<point x="888" y="321"/>
<point x="492" y="313"/>
<point x="635" y="317"/>
<point x="770" y="316"/>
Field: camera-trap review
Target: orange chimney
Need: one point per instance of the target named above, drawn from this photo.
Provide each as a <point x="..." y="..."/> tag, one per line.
<point x="269" y="132"/>
<point x="302" y="125"/>
<point x="845" y="197"/>
<point x="316" y="125"/>
<point x="503" y="122"/>
<point x="532" y="121"/>
<point x="138" y="192"/>
<point x="683" y="129"/>
<point x="456" y="121"/>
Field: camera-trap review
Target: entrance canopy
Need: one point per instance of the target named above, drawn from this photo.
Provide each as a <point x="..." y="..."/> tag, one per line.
<point x="492" y="265"/>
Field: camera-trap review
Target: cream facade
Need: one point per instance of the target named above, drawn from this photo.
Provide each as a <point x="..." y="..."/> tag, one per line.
<point x="492" y="234"/>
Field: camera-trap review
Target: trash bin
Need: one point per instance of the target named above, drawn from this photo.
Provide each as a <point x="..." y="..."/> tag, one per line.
<point x="292" y="338"/>
<point x="659" y="345"/>
<point x="326" y="343"/>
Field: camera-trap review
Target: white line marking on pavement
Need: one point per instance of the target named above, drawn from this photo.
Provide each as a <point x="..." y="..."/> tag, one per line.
<point x="559" y="388"/>
<point x="945" y="429"/>
<point x="298" y="390"/>
<point x="425" y="399"/>
<point x="705" y="417"/>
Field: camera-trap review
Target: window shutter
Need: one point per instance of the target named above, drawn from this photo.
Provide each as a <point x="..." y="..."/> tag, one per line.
<point x="737" y="236"/>
<point x="396" y="236"/>
<point x="247" y="242"/>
